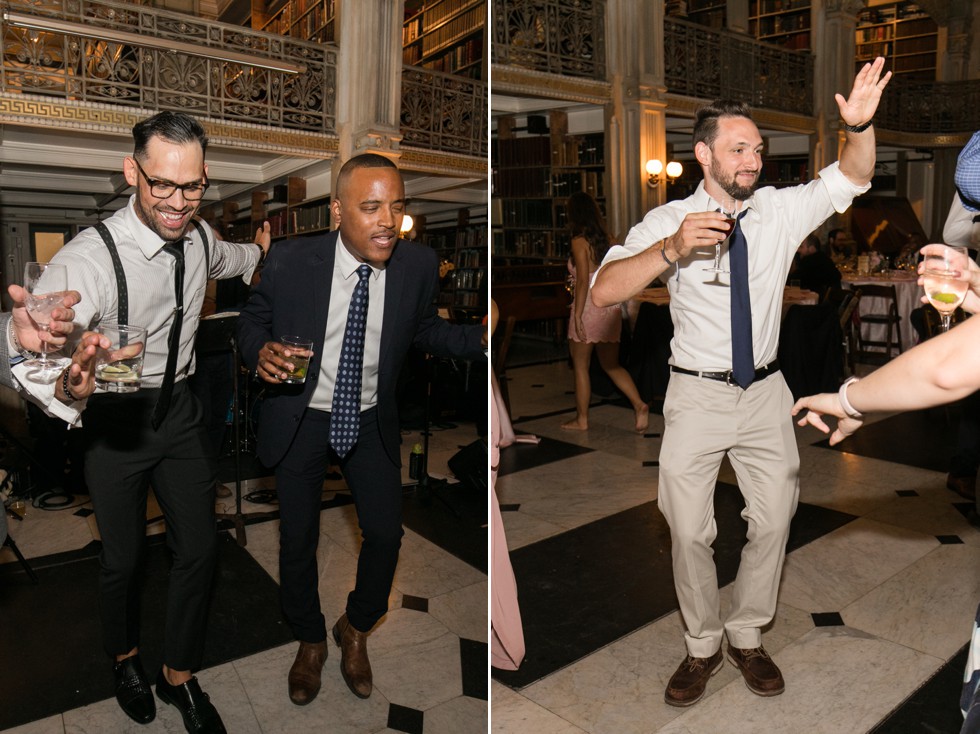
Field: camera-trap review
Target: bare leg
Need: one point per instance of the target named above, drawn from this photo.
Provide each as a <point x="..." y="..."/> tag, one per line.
<point x="581" y="354"/>
<point x="503" y="417"/>
<point x="609" y="361"/>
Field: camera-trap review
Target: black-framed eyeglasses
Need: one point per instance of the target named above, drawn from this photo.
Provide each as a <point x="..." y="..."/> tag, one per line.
<point x="165" y="189"/>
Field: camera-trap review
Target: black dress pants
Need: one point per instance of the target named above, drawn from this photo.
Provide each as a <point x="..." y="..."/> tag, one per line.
<point x="124" y="457"/>
<point x="375" y="483"/>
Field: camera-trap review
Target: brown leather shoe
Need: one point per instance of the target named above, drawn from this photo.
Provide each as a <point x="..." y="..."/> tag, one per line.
<point x="354" y="663"/>
<point x="963" y="486"/>
<point x="761" y="674"/>
<point x="687" y="684"/>
<point x="304" y="676"/>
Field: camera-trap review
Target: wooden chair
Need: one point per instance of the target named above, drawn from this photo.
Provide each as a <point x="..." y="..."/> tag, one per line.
<point x="845" y="301"/>
<point x="878" y="351"/>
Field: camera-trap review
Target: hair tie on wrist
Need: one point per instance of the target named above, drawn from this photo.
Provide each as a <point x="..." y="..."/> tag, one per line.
<point x="857" y="128"/>
<point x="663" y="252"/>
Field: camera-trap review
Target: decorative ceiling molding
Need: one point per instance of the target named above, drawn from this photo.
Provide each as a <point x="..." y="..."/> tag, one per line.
<point x="451" y="164"/>
<point x="514" y="80"/>
<point x="38" y="111"/>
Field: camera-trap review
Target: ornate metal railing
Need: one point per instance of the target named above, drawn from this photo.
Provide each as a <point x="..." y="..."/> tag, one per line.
<point x="712" y="64"/>
<point x="930" y="107"/>
<point x="76" y="67"/>
<point x="444" y="112"/>
<point x="564" y="37"/>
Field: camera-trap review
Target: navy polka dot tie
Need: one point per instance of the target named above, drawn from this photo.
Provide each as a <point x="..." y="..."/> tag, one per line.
<point x="345" y="413"/>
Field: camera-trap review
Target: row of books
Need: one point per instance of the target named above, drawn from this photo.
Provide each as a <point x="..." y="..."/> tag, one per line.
<point x="889" y="13"/>
<point x="467" y="22"/>
<point x="532" y="151"/>
<point x="780" y="24"/>
<point x="536" y="182"/>
<point x="528" y="244"/>
<point x="760" y="7"/>
<point x="795" y="170"/>
<point x="456" y="57"/>
<point x="525" y="213"/>
<point x="468" y="278"/>
<point x="471" y="238"/>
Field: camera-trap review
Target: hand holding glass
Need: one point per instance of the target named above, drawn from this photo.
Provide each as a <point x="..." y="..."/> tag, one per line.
<point x="728" y="208"/>
<point x="942" y="268"/>
<point x="45" y="284"/>
<point x="300" y="351"/>
<point x="120" y="367"/>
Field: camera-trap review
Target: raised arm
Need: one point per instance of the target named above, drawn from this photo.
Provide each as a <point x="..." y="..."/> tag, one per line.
<point x="857" y="158"/>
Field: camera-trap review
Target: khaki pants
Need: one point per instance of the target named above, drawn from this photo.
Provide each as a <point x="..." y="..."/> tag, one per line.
<point x="705" y="419"/>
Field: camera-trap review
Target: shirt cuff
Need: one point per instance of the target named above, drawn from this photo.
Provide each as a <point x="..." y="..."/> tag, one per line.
<point x="841" y="189"/>
<point x="43" y="396"/>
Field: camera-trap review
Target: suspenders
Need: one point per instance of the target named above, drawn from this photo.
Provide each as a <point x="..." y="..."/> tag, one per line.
<point x="122" y="312"/>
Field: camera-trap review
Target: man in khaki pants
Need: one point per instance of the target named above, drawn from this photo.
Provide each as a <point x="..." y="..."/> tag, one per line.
<point x="726" y="394"/>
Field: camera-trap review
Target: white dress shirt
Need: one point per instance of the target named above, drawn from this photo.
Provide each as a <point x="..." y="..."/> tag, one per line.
<point x="960" y="229"/>
<point x="150" y="285"/>
<point x="341" y="290"/>
<point x="776" y="223"/>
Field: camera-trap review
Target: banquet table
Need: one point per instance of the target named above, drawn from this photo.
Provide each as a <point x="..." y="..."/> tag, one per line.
<point x="907" y="292"/>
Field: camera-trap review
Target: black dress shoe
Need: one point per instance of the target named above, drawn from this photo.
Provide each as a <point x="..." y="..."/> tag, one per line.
<point x="133" y="691"/>
<point x="200" y="715"/>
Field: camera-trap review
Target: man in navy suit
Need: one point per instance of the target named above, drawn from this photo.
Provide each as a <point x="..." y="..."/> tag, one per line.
<point x="306" y="289"/>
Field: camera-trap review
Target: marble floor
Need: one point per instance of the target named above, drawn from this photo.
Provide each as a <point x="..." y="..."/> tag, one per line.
<point x="869" y="611"/>
<point x="429" y="668"/>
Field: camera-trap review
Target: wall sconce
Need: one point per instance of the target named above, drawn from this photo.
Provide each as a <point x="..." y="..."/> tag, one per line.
<point x="655" y="171"/>
<point x="407" y="224"/>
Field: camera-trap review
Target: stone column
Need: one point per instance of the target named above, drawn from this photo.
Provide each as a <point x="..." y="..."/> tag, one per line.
<point x="369" y="71"/>
<point x="635" y="116"/>
<point x="833" y="72"/>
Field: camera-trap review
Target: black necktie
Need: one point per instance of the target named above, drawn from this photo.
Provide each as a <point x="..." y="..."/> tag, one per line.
<point x="173" y="338"/>
<point x="743" y="362"/>
<point x="345" y="412"/>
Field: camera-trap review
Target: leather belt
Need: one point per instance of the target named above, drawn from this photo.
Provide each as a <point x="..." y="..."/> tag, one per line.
<point x="726" y="376"/>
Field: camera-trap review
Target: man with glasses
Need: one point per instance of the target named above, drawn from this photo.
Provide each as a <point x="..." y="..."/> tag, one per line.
<point x="147" y="265"/>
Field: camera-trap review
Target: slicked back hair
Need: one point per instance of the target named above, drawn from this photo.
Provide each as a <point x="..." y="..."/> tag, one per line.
<point x="364" y="160"/>
<point x="707" y="116"/>
<point x="174" y="127"/>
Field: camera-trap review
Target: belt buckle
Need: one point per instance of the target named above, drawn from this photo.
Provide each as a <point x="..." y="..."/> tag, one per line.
<point x="728" y="378"/>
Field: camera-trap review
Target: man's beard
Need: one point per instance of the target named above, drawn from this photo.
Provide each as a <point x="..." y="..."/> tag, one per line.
<point x="728" y="185"/>
<point x="147" y="216"/>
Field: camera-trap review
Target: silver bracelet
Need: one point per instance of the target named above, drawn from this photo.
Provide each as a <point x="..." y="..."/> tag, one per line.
<point x="849" y="410"/>
<point x="18" y="347"/>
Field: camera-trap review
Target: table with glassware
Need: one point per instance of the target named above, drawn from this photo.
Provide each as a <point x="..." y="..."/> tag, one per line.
<point x="907" y="292"/>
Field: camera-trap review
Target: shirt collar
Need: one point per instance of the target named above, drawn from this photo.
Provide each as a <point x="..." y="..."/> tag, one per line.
<point x="148" y="241"/>
<point x="349" y="264"/>
<point x="702" y="199"/>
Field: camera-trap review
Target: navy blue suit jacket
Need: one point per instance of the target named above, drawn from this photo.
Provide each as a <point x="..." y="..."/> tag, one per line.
<point x="293" y="297"/>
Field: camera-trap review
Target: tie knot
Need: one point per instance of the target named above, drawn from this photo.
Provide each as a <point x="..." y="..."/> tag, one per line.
<point x="363" y="271"/>
<point x="175" y="248"/>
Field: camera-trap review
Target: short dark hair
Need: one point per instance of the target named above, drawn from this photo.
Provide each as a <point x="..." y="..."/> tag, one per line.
<point x="364" y="160"/>
<point x="707" y="116"/>
<point x="832" y="234"/>
<point x="174" y="127"/>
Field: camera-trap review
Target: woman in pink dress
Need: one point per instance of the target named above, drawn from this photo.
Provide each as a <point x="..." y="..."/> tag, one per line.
<point x="589" y="326"/>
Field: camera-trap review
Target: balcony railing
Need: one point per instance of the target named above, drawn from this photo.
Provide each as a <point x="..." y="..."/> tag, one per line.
<point x="553" y="36"/>
<point x="444" y="112"/>
<point x="712" y="64"/>
<point x="76" y="67"/>
<point x="930" y="107"/>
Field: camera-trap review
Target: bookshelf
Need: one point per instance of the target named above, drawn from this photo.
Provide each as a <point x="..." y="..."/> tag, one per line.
<point x="901" y="32"/>
<point x="445" y="36"/>
<point x="465" y="246"/>
<point x="786" y="23"/>
<point x="784" y="170"/>
<point x="307" y="20"/>
<point x="710" y="13"/>
<point x="531" y="179"/>
<point x="288" y="211"/>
